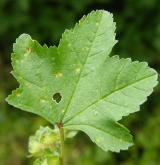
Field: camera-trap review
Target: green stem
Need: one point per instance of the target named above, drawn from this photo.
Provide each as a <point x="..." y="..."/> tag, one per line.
<point x="62" y="143"/>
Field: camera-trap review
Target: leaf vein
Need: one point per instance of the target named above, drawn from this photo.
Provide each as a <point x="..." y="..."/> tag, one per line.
<point x="107" y="95"/>
<point x="100" y="129"/>
<point x="81" y="72"/>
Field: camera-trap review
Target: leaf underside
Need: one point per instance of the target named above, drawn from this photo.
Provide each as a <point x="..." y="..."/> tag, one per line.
<point x="94" y="91"/>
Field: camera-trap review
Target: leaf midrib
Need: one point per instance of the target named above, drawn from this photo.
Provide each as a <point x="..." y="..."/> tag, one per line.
<point x="81" y="71"/>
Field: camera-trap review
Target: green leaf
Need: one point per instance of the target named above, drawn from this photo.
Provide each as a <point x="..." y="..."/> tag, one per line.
<point x="79" y="85"/>
<point x="46" y="161"/>
<point x="44" y="142"/>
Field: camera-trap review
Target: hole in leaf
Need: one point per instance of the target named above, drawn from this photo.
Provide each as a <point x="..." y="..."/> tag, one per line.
<point x="57" y="97"/>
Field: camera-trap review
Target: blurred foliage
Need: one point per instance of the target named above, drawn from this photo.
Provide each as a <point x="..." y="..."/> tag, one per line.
<point x="44" y="146"/>
<point x="138" y="32"/>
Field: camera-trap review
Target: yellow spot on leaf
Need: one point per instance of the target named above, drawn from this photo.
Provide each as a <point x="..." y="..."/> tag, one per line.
<point x="58" y="74"/>
<point x="29" y="50"/>
<point x="17" y="94"/>
<point x="97" y="24"/>
<point x="78" y="69"/>
<point x="43" y="101"/>
<point x="27" y="84"/>
<point x="98" y="140"/>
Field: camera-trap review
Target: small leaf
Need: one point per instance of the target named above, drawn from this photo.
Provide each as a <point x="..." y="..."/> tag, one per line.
<point x="47" y="161"/>
<point x="79" y="85"/>
<point x="45" y="142"/>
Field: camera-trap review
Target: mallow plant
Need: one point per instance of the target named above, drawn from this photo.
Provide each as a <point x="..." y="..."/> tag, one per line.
<point x="79" y="86"/>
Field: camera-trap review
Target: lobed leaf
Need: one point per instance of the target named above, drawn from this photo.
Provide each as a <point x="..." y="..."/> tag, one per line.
<point x="78" y="84"/>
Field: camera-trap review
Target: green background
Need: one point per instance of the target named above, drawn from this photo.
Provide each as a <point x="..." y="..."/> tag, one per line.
<point x="138" y="32"/>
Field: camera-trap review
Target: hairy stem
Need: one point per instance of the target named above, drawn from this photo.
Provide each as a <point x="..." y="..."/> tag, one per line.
<point x="61" y="131"/>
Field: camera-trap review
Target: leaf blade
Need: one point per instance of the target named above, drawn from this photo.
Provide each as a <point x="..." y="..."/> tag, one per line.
<point x="95" y="90"/>
<point x="109" y="90"/>
<point x="113" y="105"/>
<point x="107" y="134"/>
<point x="33" y="70"/>
<point x="95" y="23"/>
